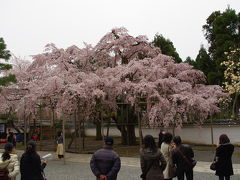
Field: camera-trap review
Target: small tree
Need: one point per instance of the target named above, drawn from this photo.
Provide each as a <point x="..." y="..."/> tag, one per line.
<point x="5" y="55"/>
<point x="167" y="47"/>
<point x="232" y="77"/>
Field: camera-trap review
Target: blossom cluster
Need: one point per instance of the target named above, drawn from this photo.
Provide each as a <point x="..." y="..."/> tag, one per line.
<point x="120" y="68"/>
<point x="232" y="72"/>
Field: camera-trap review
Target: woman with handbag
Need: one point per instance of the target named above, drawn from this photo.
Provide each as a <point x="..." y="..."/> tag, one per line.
<point x="223" y="158"/>
<point x="31" y="166"/>
<point x="152" y="160"/>
<point x="166" y="150"/>
<point x="9" y="165"/>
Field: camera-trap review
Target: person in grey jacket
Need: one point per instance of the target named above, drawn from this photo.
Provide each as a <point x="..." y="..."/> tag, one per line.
<point x="105" y="163"/>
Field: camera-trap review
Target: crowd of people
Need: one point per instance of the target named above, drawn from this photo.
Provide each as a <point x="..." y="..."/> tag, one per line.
<point x="166" y="161"/>
<point x="170" y="159"/>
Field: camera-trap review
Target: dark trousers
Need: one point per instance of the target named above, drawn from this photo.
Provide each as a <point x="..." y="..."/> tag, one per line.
<point x="188" y="173"/>
<point x="224" y="177"/>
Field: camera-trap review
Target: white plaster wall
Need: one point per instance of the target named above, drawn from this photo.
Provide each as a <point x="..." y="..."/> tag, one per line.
<point x="197" y="135"/>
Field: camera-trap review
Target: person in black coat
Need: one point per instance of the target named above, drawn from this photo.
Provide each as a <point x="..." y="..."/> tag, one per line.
<point x="223" y="159"/>
<point x="31" y="167"/>
<point x="161" y="137"/>
<point x="12" y="139"/>
<point x="182" y="156"/>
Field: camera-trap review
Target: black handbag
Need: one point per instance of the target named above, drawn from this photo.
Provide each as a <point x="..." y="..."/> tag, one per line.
<point x="213" y="166"/>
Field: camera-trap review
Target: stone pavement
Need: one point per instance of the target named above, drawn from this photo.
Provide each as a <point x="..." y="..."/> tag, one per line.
<point x="77" y="168"/>
<point x="201" y="167"/>
<point x="56" y="170"/>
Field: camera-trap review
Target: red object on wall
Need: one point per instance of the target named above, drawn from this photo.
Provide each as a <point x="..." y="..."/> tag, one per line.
<point x="3" y="140"/>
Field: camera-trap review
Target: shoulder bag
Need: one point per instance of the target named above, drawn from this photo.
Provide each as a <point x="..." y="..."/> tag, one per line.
<point x="191" y="164"/>
<point x="213" y="164"/>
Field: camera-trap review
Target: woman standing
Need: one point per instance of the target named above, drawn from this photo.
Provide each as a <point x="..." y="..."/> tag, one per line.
<point x="152" y="160"/>
<point x="9" y="162"/>
<point x="31" y="167"/>
<point x="166" y="149"/>
<point x="223" y="158"/>
<point x="60" y="145"/>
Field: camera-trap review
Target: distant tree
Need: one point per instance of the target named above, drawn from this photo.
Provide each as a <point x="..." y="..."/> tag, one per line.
<point x="222" y="31"/>
<point x="204" y="63"/>
<point x="5" y="55"/>
<point x="167" y="47"/>
<point x="190" y="61"/>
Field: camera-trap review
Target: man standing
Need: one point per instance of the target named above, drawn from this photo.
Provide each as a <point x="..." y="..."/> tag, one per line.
<point x="12" y="139"/>
<point x="105" y="162"/>
<point x="183" y="158"/>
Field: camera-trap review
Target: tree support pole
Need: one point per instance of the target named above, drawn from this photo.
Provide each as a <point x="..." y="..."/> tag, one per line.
<point x="212" y="141"/>
<point x="139" y="129"/>
<point x="25" y="131"/>
<point x="64" y="140"/>
<point x="75" y="127"/>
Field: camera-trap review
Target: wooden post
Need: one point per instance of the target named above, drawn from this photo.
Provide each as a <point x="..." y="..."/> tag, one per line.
<point x="54" y="129"/>
<point x="128" y="140"/>
<point x="108" y="126"/>
<point x="25" y="130"/>
<point x="80" y="136"/>
<point x="64" y="140"/>
<point x="83" y="134"/>
<point x="174" y="124"/>
<point x="139" y="128"/>
<point x="212" y="134"/>
<point x="75" y="127"/>
<point x="41" y="131"/>
<point x="102" y="126"/>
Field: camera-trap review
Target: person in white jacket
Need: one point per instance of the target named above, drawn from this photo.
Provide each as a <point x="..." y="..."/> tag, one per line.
<point x="9" y="160"/>
<point x="166" y="150"/>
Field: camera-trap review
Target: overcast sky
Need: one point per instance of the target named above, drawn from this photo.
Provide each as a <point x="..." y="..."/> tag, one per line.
<point x="28" y="25"/>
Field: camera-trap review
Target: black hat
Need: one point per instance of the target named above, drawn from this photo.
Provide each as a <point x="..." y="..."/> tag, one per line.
<point x="108" y="140"/>
<point x="8" y="147"/>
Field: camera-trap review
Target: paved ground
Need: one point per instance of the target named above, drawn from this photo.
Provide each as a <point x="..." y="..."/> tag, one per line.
<point x="77" y="168"/>
<point x="56" y="170"/>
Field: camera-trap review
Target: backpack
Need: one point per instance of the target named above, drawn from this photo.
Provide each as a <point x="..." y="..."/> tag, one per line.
<point x="4" y="174"/>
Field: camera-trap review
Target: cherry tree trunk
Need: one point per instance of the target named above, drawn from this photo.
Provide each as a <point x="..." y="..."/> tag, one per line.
<point x="98" y="130"/>
<point x="234" y="108"/>
<point x="126" y="124"/>
<point x="131" y="135"/>
<point x="73" y="138"/>
<point x="14" y="127"/>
